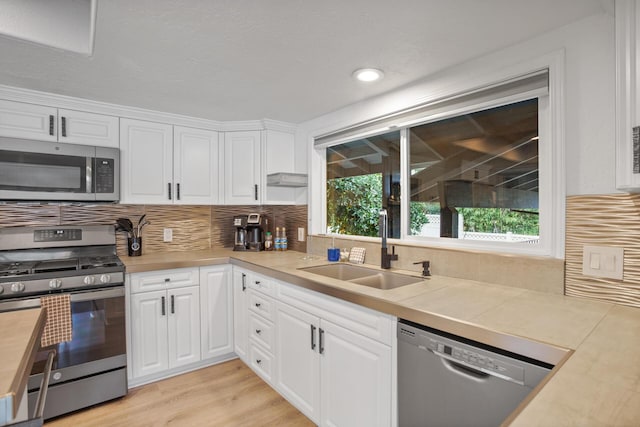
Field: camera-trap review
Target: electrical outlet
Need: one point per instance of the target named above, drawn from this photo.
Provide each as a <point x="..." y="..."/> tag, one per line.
<point x="301" y="234"/>
<point x="603" y="261"/>
<point x="168" y="234"/>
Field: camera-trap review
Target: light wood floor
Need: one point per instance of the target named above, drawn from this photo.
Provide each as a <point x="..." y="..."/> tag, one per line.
<point x="228" y="394"/>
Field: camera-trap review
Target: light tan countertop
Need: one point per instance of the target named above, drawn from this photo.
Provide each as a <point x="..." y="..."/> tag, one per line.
<point x="21" y="331"/>
<point x="599" y="384"/>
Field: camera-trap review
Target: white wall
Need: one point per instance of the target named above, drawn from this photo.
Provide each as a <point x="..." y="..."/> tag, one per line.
<point x="589" y="91"/>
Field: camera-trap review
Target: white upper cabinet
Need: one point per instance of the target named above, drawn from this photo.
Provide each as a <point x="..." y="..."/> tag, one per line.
<point x="30" y="121"/>
<point x="242" y="154"/>
<point x="279" y="151"/>
<point x="627" y="16"/>
<point x="77" y="127"/>
<point x="146" y="162"/>
<point x="166" y="165"/>
<point x="195" y="165"/>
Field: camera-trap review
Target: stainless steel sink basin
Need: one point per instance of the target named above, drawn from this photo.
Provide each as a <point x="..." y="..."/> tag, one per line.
<point x="386" y="280"/>
<point x="363" y="275"/>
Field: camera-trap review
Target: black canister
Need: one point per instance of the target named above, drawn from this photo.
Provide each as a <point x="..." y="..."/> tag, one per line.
<point x="134" y="246"/>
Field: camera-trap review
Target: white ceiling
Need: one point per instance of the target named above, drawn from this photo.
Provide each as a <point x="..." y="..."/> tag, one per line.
<point x="287" y="60"/>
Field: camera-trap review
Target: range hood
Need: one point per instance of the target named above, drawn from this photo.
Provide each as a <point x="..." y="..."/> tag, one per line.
<point x="286" y="179"/>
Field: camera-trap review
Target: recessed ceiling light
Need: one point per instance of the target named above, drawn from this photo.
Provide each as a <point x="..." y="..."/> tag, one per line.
<point x="368" y="74"/>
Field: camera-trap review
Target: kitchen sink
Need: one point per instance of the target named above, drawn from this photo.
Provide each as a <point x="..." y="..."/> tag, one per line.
<point x="363" y="276"/>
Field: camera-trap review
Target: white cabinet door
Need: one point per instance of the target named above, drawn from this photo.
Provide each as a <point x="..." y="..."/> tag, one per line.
<point x="242" y="168"/>
<point x="184" y="326"/>
<point x="149" y="333"/>
<point x="77" y="127"/>
<point x="216" y="315"/>
<point x="278" y="156"/>
<point x="146" y="158"/>
<point x="196" y="166"/>
<point x="28" y="121"/>
<point x="241" y="313"/>
<point x="355" y="374"/>
<point x="297" y="354"/>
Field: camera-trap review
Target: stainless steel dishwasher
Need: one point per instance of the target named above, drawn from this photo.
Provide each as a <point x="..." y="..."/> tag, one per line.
<point x="445" y="380"/>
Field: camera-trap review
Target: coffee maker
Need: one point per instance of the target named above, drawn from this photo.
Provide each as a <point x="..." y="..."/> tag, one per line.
<point x="241" y="241"/>
<point x="255" y="232"/>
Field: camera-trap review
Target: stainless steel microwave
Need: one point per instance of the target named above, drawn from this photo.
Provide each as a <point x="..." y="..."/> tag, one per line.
<point x="38" y="170"/>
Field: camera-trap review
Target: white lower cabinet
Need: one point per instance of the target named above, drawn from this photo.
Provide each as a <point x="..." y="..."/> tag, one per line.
<point x="241" y="313"/>
<point x="165" y="329"/>
<point x="330" y="359"/>
<point x="298" y="358"/>
<point x="355" y="377"/>
<point x="216" y="305"/>
<point x="180" y="319"/>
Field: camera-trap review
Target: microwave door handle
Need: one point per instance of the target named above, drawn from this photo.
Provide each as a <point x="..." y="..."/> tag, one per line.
<point x="90" y="168"/>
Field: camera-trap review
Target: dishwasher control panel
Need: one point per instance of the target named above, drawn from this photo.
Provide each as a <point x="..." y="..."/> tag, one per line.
<point x="477" y="360"/>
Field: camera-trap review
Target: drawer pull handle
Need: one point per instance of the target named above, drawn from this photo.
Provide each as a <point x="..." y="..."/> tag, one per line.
<point x="321" y="349"/>
<point x="258" y="331"/>
<point x="163" y="309"/>
<point x="167" y="279"/>
<point x="258" y="304"/>
<point x="313" y="337"/>
<point x="244" y="283"/>
<point x="258" y="282"/>
<point x="258" y="361"/>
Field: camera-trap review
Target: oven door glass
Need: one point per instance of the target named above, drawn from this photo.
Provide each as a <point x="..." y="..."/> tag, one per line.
<point x="98" y="331"/>
<point x="36" y="172"/>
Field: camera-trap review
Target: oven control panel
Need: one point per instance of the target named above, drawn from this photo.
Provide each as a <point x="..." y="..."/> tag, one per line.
<point x="57" y="235"/>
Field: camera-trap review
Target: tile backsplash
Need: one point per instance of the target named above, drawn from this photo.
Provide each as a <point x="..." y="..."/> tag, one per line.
<point x="194" y="227"/>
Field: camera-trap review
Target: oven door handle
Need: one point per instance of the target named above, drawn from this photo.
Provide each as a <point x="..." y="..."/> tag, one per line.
<point x="34" y="302"/>
<point x="38" y="412"/>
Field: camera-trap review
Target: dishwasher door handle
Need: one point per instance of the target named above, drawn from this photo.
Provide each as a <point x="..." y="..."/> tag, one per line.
<point x="471" y="372"/>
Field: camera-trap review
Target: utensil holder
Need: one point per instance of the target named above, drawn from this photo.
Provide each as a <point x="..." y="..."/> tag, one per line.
<point x="134" y="246"/>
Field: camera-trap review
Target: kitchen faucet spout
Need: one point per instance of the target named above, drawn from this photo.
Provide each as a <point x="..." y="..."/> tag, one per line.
<point x="385" y="256"/>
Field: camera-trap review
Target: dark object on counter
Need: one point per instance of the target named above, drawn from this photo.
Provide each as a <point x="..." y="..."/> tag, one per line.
<point x="240" y="235"/>
<point x="425" y="267"/>
<point x="255" y="232"/>
<point x="134" y="246"/>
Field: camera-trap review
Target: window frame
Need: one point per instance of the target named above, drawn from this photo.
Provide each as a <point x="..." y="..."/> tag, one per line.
<point x="551" y="164"/>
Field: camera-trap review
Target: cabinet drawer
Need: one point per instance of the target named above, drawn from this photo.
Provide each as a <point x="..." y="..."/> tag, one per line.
<point x="164" y="279"/>
<point x="261" y="331"/>
<point x="262" y="284"/>
<point x="261" y="305"/>
<point x="261" y="362"/>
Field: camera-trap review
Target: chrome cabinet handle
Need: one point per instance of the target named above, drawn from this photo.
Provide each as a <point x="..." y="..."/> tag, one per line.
<point x="173" y="304"/>
<point x="255" y="191"/>
<point x="64" y="126"/>
<point x="169" y="189"/>
<point x="313" y="337"/>
<point x="321" y="349"/>
<point x="51" y="125"/>
<point x="163" y="307"/>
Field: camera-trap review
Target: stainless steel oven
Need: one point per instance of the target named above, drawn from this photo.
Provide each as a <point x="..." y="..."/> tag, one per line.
<point x="91" y="368"/>
<point x="39" y="170"/>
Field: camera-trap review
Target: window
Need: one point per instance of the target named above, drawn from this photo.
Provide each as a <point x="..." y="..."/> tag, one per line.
<point x="473" y="170"/>
<point x="475" y="175"/>
<point x="362" y="177"/>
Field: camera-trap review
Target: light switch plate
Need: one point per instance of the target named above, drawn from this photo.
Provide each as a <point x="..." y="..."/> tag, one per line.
<point x="603" y="261"/>
<point x="301" y="234"/>
<point x="168" y="235"/>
